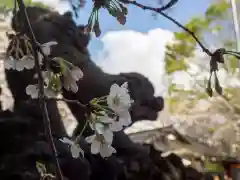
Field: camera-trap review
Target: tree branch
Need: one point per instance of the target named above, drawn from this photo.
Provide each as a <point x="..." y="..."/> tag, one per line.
<point x="69" y="101"/>
<point x="42" y="102"/>
<point x="168" y="5"/>
<point x="160" y="11"/>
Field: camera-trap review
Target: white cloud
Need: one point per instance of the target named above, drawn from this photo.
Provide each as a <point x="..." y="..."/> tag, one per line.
<point x="131" y="51"/>
<point x="128" y="51"/>
<point x="60" y="6"/>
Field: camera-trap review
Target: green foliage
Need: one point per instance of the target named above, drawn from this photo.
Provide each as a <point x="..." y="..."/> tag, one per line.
<point x="180" y="52"/>
<point x="183" y="48"/>
<point x="213" y="167"/>
<point x="216" y="11"/>
<point x="178" y="96"/>
<point x="8" y="4"/>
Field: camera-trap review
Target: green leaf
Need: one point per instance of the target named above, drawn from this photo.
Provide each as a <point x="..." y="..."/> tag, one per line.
<point x="217" y="10"/>
<point x="233" y="63"/>
<point x="41" y="168"/>
<point x="171" y="88"/>
<point x="172" y="65"/>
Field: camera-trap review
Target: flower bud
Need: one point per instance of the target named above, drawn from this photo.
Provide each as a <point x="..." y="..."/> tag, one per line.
<point x="121" y="19"/>
<point x="87" y="29"/>
<point x="96" y="29"/>
<point x="218" y="88"/>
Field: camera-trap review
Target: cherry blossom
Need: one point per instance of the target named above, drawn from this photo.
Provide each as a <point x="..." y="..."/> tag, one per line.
<point x="26" y="62"/>
<point x="70" y="78"/>
<point x="9" y="63"/>
<point x="103" y="130"/>
<point x="119" y="98"/>
<point x="46" y="47"/>
<point x="71" y="74"/>
<point x="74" y="148"/>
<point x="33" y="90"/>
<point x="104" y="122"/>
<point x="76" y="73"/>
<point x="120" y="101"/>
<point x="50" y="90"/>
<point x="98" y="145"/>
<point x="112" y="123"/>
<point x="116" y="126"/>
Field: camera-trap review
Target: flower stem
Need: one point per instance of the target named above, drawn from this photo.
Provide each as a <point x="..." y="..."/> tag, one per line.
<point x="81" y="133"/>
<point x="42" y="102"/>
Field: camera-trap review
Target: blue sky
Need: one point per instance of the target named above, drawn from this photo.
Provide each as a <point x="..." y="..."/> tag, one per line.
<point x="139" y="45"/>
<point x="141" y="21"/>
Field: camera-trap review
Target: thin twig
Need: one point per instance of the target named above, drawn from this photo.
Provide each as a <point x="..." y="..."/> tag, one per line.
<point x="69" y="101"/>
<point x="160" y="11"/>
<point x="170" y="4"/>
<point x="82" y="131"/>
<point x="42" y="102"/>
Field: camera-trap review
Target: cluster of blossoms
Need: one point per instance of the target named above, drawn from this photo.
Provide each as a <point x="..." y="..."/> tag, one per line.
<point x="110" y="114"/>
<point x="52" y="81"/>
<point x="27" y="60"/>
<point x="106" y="121"/>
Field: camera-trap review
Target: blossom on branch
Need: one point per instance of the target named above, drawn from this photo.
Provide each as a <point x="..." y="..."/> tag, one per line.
<point x="33" y="91"/>
<point x="99" y="145"/>
<point x="46" y="47"/>
<point x="74" y="148"/>
<point x="52" y="86"/>
<point x="26" y="62"/>
<point x="120" y="101"/>
<point x="112" y="123"/>
<point x="71" y="74"/>
<point x="70" y="78"/>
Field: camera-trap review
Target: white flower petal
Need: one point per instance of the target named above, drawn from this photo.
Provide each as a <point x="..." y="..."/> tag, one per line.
<point x="76" y="150"/>
<point x="107" y="150"/>
<point x="32" y="91"/>
<point x="66" y="85"/>
<point x="66" y="140"/>
<point x="28" y="62"/>
<point x="125" y="118"/>
<point x="91" y="126"/>
<point x="115" y="126"/>
<point x="19" y="65"/>
<point x="46" y="47"/>
<point x="108" y="136"/>
<point x="114" y="89"/>
<point x="50" y="43"/>
<point x="110" y="101"/>
<point x="74" y="87"/>
<point x="105" y="119"/>
<point x="118" y="98"/>
<point x="90" y="139"/>
<point x="49" y="93"/>
<point x="99" y="127"/>
<point x="69" y="83"/>
<point x="40" y="58"/>
<point x="95" y="146"/>
<point x="29" y="65"/>
<point x="8" y="64"/>
<point x="125" y="86"/>
<point x="46" y="76"/>
<point x="76" y="73"/>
